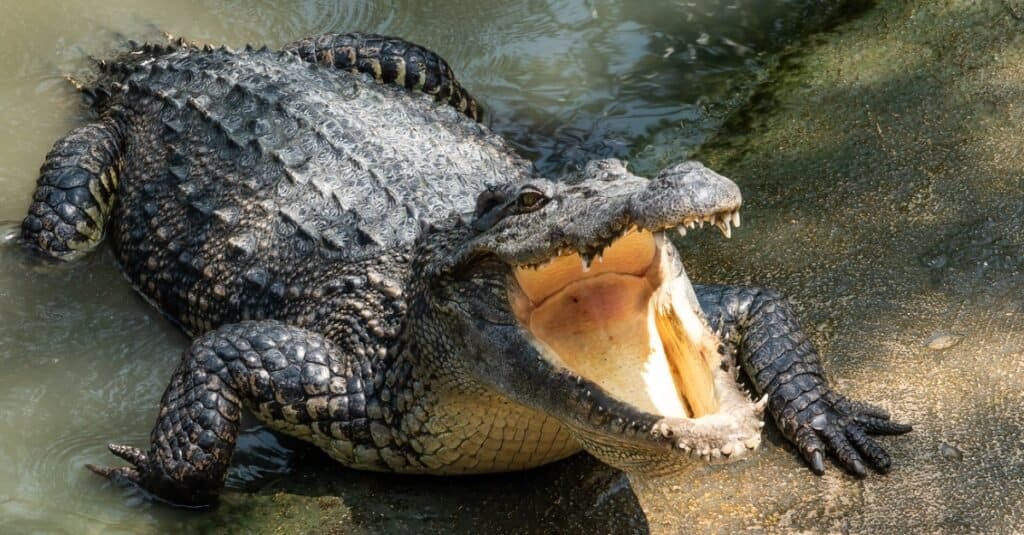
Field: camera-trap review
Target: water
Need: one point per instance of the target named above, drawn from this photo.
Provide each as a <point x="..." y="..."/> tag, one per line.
<point x="85" y="360"/>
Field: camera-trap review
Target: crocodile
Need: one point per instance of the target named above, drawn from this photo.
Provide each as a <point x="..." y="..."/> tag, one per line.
<point x="363" y="264"/>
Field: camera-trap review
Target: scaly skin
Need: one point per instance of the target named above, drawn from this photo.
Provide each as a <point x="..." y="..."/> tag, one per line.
<point x="389" y="61"/>
<point x="343" y="246"/>
<point x="76" y="188"/>
<point x="300" y="383"/>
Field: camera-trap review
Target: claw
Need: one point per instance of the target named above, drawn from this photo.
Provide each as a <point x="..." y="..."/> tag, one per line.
<point x="817" y="462"/>
<point x="810" y="447"/>
<point x="857" y="468"/>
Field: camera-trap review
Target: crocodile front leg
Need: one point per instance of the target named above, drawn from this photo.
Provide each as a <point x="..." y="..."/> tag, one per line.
<point x="389" y="60"/>
<point x="758" y="326"/>
<point x="76" y="191"/>
<point x="274" y="369"/>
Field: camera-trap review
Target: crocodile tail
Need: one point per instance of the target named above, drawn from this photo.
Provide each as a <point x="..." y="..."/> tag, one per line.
<point x="389" y="60"/>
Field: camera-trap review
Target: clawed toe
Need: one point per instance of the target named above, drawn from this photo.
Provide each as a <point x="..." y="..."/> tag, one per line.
<point x="150" y="480"/>
<point x="878" y="426"/>
<point x="107" y="471"/>
<point x="125" y="476"/>
<point x="841" y="427"/>
<point x="122" y="474"/>
<point x="869" y="448"/>
<point x="131" y="454"/>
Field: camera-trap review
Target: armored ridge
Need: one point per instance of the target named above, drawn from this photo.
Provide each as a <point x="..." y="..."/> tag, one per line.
<point x="367" y="268"/>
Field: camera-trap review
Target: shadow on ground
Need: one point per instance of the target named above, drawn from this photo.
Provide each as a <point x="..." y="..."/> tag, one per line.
<point x="578" y="495"/>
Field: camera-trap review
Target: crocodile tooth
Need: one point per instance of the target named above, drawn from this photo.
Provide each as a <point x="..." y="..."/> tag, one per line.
<point x="723" y="225"/>
<point x="701" y="223"/>
<point x="681" y="229"/>
<point x="736" y="218"/>
<point x="600" y="258"/>
<point x="760" y="405"/>
<point x="691" y="224"/>
<point x="587" y="260"/>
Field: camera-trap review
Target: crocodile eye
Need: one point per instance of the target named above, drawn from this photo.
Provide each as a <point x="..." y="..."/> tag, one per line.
<point x="530" y="200"/>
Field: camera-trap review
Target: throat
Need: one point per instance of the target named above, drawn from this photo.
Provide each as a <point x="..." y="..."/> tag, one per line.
<point x="623" y="334"/>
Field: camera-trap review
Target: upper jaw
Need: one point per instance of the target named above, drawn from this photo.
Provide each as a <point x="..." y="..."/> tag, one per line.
<point x="585" y="217"/>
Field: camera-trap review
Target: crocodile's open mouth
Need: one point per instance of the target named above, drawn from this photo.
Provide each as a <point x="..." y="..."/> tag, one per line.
<point x="629" y="322"/>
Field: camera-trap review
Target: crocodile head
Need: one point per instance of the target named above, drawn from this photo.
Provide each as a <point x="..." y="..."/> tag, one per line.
<point x="569" y="298"/>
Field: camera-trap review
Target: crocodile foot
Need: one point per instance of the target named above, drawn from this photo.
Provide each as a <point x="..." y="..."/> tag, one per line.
<point x="840" y="426"/>
<point x="143" y="477"/>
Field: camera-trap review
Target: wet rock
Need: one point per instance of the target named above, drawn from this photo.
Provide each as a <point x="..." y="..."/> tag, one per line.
<point x="950" y="452"/>
<point x="942" y="340"/>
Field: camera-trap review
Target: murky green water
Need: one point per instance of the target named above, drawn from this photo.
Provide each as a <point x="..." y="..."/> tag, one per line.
<point x="84" y="360"/>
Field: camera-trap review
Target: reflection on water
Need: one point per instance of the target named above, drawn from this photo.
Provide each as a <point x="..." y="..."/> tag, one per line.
<point x="84" y="360"/>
